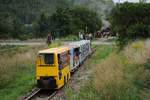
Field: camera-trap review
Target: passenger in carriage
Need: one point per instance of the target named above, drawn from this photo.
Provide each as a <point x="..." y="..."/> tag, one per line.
<point x="75" y="59"/>
<point x="76" y="56"/>
<point x="60" y="66"/>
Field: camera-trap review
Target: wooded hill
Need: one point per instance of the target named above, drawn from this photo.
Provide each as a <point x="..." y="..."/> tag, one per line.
<point x="26" y="10"/>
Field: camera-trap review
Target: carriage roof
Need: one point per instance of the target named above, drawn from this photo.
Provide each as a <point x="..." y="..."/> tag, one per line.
<point x="54" y="50"/>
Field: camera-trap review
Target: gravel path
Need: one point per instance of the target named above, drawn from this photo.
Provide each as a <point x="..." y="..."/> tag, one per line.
<point x="97" y="42"/>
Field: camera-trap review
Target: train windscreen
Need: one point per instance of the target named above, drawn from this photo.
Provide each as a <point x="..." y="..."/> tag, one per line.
<point x="49" y="58"/>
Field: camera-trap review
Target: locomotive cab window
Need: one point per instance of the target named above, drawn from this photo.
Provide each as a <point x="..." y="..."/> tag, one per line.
<point x="49" y="58"/>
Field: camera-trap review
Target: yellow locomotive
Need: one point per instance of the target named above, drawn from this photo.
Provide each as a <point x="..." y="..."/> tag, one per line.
<point x="54" y="66"/>
<point x="52" y="69"/>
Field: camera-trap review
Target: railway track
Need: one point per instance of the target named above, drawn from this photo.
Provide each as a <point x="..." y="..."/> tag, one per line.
<point x="52" y="95"/>
<point x="36" y="94"/>
<point x="32" y="95"/>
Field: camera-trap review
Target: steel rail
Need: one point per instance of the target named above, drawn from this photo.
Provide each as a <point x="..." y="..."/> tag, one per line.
<point x="32" y="94"/>
<point x="52" y="95"/>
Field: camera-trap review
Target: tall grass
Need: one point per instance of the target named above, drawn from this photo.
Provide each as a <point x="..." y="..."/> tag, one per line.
<point x="17" y="70"/>
<point x="122" y="75"/>
<point x="13" y="66"/>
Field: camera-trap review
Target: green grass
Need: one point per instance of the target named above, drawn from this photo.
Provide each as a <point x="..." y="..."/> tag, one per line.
<point x="54" y="45"/>
<point x="9" y="47"/>
<point x="87" y="92"/>
<point x="69" y="92"/>
<point x="18" y="88"/>
<point x="110" y="40"/>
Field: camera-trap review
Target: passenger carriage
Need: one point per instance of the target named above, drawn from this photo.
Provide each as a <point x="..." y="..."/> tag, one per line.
<point x="84" y="48"/>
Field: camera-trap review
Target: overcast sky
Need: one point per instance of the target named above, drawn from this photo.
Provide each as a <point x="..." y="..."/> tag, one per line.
<point x="128" y="0"/>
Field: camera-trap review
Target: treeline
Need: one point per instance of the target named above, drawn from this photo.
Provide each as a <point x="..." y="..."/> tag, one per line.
<point x="64" y="21"/>
<point x="26" y="10"/>
<point x="15" y="29"/>
<point x="67" y="21"/>
<point x="131" y="22"/>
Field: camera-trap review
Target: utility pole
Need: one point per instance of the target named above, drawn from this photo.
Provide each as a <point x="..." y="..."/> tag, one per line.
<point x="119" y="3"/>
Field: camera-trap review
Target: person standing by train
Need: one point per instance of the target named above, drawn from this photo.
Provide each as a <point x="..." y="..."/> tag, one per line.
<point x="48" y="39"/>
<point x="84" y="36"/>
<point x="81" y="36"/>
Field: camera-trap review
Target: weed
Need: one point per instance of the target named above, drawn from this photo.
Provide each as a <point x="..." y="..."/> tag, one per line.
<point x="69" y="92"/>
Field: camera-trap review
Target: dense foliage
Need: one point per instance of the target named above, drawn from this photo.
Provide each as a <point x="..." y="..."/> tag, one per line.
<point x="131" y="21"/>
<point x="40" y="25"/>
<point x="13" y="28"/>
<point x="66" y="21"/>
<point x="26" y="10"/>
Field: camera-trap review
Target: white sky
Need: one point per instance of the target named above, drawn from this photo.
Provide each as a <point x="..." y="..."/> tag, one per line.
<point x="129" y="1"/>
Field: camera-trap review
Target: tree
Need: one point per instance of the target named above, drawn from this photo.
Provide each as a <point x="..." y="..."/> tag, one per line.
<point x="62" y="22"/>
<point x="131" y="21"/>
<point x="13" y="28"/>
<point x="40" y="25"/>
<point x="5" y="28"/>
<point x="17" y="28"/>
<point x="67" y="20"/>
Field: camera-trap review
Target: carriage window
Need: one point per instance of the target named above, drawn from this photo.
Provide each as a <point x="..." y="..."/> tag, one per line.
<point x="63" y="60"/>
<point x="49" y="58"/>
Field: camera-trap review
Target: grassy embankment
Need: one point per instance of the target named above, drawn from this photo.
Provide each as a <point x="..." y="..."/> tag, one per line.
<point x="124" y="75"/>
<point x="17" y="70"/>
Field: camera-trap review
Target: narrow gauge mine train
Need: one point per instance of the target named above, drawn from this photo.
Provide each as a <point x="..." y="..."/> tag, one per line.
<point x="54" y="66"/>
